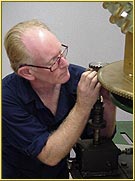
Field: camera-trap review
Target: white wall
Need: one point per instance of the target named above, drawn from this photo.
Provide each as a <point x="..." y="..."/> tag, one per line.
<point x="83" y="26"/>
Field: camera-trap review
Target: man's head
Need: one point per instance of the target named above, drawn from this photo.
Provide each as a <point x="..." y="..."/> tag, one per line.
<point x="32" y="43"/>
<point x="14" y="46"/>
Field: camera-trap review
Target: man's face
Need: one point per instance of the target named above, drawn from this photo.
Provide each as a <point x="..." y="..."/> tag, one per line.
<point x="45" y="48"/>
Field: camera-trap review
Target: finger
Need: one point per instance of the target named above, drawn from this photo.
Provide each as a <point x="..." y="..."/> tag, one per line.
<point x="97" y="89"/>
<point x="98" y="86"/>
<point x="93" y="82"/>
<point x="89" y="69"/>
<point x="92" y="78"/>
<point x="85" y="74"/>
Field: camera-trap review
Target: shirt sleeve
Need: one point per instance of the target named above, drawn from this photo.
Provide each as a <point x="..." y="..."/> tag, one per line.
<point x="21" y="129"/>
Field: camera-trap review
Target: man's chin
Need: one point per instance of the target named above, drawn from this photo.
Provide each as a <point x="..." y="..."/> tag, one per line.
<point x="65" y="78"/>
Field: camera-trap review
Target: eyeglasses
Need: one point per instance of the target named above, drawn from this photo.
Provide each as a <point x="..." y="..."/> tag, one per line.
<point x="56" y="60"/>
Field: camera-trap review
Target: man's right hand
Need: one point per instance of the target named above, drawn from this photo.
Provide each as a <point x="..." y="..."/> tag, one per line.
<point x="88" y="90"/>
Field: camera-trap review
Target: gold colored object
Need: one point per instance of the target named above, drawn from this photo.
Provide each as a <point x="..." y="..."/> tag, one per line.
<point x="117" y="77"/>
<point x="122" y="14"/>
<point x="128" y="57"/>
<point x="113" y="79"/>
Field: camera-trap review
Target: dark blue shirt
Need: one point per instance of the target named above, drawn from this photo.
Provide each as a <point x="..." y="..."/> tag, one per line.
<point x="27" y="123"/>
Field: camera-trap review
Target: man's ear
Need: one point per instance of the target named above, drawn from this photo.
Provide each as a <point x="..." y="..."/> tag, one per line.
<point x="25" y="73"/>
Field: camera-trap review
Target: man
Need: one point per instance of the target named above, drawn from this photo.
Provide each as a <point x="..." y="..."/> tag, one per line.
<point x="46" y="104"/>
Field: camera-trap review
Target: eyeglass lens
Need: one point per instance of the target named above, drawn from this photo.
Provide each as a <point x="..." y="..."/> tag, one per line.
<point x="63" y="54"/>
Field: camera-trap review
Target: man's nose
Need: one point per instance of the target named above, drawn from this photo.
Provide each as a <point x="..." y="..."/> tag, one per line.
<point x="63" y="62"/>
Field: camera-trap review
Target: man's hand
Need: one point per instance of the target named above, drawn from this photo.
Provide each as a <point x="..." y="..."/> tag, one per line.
<point x="88" y="89"/>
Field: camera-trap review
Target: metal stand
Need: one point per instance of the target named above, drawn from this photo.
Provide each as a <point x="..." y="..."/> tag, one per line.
<point x="99" y="157"/>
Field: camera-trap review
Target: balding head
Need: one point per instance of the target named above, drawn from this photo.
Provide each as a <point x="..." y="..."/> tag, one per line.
<point x="16" y="50"/>
<point x="40" y="43"/>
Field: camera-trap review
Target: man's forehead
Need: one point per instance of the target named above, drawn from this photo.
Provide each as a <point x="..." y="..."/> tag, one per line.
<point x="34" y="33"/>
<point x="38" y="35"/>
<point x="39" y="40"/>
